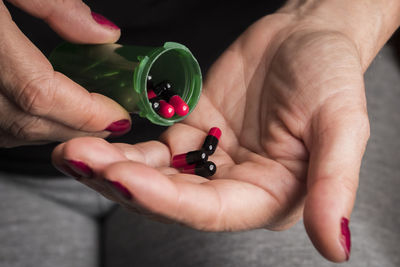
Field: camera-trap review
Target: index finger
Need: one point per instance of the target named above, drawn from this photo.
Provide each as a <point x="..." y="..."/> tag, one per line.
<point x="28" y="79"/>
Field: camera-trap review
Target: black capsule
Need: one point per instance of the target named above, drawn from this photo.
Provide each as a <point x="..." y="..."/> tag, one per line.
<point x="167" y="94"/>
<point x="155" y="103"/>
<point x="150" y="84"/>
<point x="206" y="169"/>
<point x="162" y="87"/>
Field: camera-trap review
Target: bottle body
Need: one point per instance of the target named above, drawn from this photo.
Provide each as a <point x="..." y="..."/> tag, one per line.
<point x="120" y="72"/>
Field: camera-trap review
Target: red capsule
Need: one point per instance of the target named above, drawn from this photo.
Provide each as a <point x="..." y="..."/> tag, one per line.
<point x="166" y="110"/>
<point x="180" y="106"/>
<point x="151" y="94"/>
<point x="203" y="169"/>
<point x="215" y="131"/>
<point x="189" y="158"/>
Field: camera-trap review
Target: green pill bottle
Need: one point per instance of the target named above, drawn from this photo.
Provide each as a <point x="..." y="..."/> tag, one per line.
<point x="120" y="72"/>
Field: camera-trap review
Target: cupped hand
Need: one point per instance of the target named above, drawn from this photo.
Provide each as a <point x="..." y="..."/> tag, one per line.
<point x="289" y="99"/>
<point x="39" y="105"/>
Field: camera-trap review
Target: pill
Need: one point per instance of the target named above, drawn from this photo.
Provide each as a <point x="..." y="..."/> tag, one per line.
<point x="162" y="87"/>
<point x="155" y="104"/>
<point x="150" y="84"/>
<point x="166" y="110"/>
<point x="211" y="141"/>
<point x="206" y="169"/>
<point x="180" y="106"/>
<point x="151" y="94"/>
<point x="189" y="158"/>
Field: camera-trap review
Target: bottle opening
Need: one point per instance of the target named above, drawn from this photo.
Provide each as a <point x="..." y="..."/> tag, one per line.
<point x="173" y="62"/>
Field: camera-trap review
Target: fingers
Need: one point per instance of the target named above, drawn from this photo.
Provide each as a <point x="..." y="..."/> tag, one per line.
<point x="87" y="157"/>
<point x="336" y="154"/>
<point x="152" y="153"/>
<point x="202" y="206"/>
<point x="22" y="128"/>
<point x="98" y="153"/>
<point x="72" y="20"/>
<point x="28" y="82"/>
<point x="211" y="205"/>
<point x="54" y="96"/>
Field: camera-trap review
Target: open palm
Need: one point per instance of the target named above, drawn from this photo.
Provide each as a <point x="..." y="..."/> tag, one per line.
<point x="290" y="102"/>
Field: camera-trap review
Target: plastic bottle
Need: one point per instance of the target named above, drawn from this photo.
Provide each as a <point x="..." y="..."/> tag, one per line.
<point x="120" y="72"/>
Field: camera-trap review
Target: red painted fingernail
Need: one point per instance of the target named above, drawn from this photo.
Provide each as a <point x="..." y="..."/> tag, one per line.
<point x="80" y="168"/>
<point x="345" y="238"/>
<point x="120" y="189"/>
<point x="100" y="19"/>
<point x="119" y="127"/>
<point x="65" y="169"/>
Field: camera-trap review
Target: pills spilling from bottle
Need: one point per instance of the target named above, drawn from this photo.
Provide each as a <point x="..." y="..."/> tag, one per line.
<point x="196" y="162"/>
<point x="164" y="100"/>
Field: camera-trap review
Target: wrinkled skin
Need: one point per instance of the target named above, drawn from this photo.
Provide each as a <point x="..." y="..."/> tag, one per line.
<point x="37" y="104"/>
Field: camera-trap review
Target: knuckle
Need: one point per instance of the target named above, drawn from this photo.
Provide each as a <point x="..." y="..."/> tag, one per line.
<point x="89" y="119"/>
<point x="70" y="5"/>
<point x="349" y="185"/>
<point x="361" y="126"/>
<point x="37" y="96"/>
<point x="26" y="129"/>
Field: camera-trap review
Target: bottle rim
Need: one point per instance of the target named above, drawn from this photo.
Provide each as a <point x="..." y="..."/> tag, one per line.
<point x="191" y="92"/>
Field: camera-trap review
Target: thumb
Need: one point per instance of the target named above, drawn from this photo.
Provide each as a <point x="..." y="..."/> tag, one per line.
<point x="338" y="144"/>
<point x="73" y="20"/>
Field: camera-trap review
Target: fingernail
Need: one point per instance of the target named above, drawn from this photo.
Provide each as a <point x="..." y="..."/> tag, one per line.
<point x="119" y="127"/>
<point x="68" y="171"/>
<point x="120" y="189"/>
<point x="100" y="19"/>
<point x="345" y="238"/>
<point x="79" y="168"/>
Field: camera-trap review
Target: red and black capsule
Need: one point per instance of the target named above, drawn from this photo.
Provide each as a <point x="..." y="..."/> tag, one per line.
<point x="189" y="158"/>
<point x="211" y="142"/>
<point x="206" y="169"/>
<point x="154" y="100"/>
<point x="180" y="106"/>
<point x="166" y="110"/>
<point x="160" y="106"/>
<point x="162" y="87"/>
<point x="164" y="90"/>
<point x="155" y="104"/>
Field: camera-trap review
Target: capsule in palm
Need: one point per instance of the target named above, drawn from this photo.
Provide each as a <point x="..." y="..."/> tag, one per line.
<point x="211" y="141"/>
<point x="206" y="169"/>
<point x="189" y="158"/>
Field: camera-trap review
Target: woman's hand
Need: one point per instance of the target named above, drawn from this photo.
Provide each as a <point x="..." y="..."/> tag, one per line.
<point x="289" y="97"/>
<point x="39" y="105"/>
